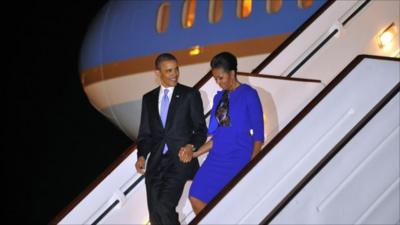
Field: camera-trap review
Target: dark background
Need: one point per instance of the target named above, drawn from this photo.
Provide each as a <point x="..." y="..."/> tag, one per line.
<point x="54" y="143"/>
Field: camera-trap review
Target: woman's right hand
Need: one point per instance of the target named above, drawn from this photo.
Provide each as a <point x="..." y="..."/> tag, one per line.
<point x="203" y="149"/>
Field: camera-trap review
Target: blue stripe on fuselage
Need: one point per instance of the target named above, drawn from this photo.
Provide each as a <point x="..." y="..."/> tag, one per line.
<point x="126" y="29"/>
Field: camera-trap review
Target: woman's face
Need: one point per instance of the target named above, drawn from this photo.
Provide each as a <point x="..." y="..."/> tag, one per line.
<point x="225" y="80"/>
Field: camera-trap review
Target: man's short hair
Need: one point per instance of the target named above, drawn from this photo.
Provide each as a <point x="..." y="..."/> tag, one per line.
<point x="225" y="60"/>
<point x="164" y="57"/>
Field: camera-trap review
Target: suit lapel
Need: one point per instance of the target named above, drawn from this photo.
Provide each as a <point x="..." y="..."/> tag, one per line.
<point x="154" y="105"/>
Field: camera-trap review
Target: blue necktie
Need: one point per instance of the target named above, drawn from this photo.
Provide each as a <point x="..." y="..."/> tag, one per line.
<point x="164" y="112"/>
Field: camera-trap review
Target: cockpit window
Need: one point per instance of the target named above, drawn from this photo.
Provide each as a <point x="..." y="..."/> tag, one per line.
<point x="163" y="17"/>
<point x="188" y="13"/>
<point x="273" y="6"/>
<point x="214" y="11"/>
<point x="243" y="8"/>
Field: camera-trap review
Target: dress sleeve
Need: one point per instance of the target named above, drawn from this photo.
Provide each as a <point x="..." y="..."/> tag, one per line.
<point x="256" y="115"/>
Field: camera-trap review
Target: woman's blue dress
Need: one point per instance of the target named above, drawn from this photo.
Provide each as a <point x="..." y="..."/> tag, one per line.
<point x="232" y="145"/>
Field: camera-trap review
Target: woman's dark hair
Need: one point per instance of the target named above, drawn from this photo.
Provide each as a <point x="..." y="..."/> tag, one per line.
<point x="164" y="57"/>
<point x="225" y="60"/>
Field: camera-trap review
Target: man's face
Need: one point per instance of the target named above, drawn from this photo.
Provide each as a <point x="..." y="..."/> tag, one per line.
<point x="224" y="79"/>
<point x="168" y="73"/>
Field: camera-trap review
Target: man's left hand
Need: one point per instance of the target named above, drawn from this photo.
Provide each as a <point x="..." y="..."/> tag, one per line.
<point x="186" y="153"/>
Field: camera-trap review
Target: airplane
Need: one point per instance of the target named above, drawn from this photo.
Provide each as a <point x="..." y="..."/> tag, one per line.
<point x="120" y="46"/>
<point x="290" y="51"/>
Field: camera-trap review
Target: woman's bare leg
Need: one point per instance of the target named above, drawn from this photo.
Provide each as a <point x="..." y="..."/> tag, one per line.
<point x="197" y="205"/>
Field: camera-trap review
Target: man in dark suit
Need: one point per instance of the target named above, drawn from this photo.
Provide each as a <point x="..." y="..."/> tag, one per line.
<point x="172" y="126"/>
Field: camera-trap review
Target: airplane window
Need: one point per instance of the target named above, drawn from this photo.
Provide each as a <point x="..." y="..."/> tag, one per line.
<point x="163" y="17"/>
<point x="273" y="6"/>
<point x="214" y="11"/>
<point x="243" y="8"/>
<point x="189" y="13"/>
<point x="304" y="3"/>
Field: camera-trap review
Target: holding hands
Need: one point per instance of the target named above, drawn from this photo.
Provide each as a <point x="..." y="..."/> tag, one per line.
<point x="186" y="153"/>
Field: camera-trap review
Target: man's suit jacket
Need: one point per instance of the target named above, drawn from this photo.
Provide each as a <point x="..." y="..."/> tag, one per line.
<point x="185" y="125"/>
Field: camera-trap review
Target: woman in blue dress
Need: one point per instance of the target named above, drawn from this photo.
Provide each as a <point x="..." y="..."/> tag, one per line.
<point x="237" y="130"/>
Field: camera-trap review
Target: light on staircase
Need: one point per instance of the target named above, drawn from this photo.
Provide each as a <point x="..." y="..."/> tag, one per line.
<point x="385" y="38"/>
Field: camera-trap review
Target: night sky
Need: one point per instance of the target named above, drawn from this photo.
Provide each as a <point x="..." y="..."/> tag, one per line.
<point x="54" y="143"/>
